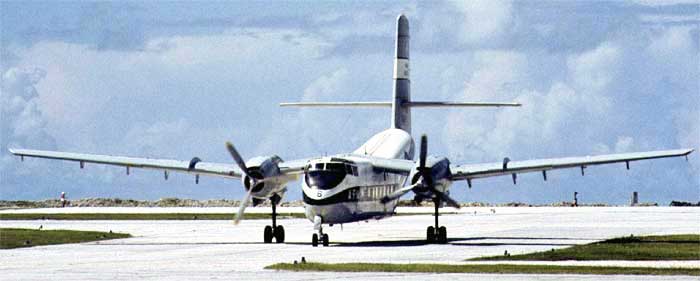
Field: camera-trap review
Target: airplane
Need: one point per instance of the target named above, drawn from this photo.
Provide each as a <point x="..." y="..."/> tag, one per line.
<point x="367" y="182"/>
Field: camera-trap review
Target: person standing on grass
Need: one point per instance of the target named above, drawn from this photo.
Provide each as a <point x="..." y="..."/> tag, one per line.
<point x="63" y="199"/>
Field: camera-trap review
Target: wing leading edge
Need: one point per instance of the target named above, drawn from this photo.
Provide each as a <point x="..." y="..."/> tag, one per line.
<point x="474" y="171"/>
<point x="192" y="167"/>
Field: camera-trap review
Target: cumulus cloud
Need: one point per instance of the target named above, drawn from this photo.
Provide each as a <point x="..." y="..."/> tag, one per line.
<point x="23" y="122"/>
<point x="318" y="126"/>
<point x="594" y="69"/>
<point x="538" y="128"/>
<point x="484" y="20"/>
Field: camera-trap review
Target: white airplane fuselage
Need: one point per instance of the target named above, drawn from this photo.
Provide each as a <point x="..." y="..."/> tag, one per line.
<point x="347" y="188"/>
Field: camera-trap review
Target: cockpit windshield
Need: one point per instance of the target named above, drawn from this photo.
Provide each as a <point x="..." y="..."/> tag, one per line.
<point x="328" y="175"/>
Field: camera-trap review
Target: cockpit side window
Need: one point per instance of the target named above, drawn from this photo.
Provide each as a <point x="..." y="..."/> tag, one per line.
<point x="351" y="169"/>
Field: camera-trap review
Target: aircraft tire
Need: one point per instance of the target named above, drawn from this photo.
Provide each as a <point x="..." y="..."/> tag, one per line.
<point x="279" y="234"/>
<point x="267" y="234"/>
<point x="430" y="234"/>
<point x="442" y="235"/>
<point x="314" y="240"/>
<point x="325" y="240"/>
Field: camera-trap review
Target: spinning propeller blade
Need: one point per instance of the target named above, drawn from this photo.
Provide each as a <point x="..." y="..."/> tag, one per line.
<point x="244" y="170"/>
<point x="427" y="175"/>
<point x="241" y="208"/>
<point x="237" y="157"/>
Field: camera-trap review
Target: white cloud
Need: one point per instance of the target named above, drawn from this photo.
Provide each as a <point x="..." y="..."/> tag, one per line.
<point x="562" y="119"/>
<point x="484" y="20"/>
<point x="593" y="70"/>
<point x="327" y="86"/>
<point x="624" y="144"/>
<point x="674" y="53"/>
<point x="23" y="123"/>
<point x="672" y="40"/>
<point x="82" y="83"/>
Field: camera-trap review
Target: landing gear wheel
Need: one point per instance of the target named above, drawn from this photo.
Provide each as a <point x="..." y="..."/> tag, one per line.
<point x="267" y="235"/>
<point x="431" y="234"/>
<point x="314" y="240"/>
<point x="325" y="240"/>
<point x="442" y="235"/>
<point x="279" y="234"/>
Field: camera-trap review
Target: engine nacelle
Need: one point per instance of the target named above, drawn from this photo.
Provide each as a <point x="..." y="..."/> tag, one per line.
<point x="440" y="172"/>
<point x="263" y="168"/>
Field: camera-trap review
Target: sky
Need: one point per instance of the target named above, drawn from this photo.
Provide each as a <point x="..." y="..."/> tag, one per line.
<point x="177" y="80"/>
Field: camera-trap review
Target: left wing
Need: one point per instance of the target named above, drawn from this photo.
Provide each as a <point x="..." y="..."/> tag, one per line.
<point x="507" y="167"/>
<point x="194" y="166"/>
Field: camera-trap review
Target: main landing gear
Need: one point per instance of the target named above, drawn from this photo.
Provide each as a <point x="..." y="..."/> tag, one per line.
<point x="320" y="236"/>
<point x="436" y="234"/>
<point x="274" y="231"/>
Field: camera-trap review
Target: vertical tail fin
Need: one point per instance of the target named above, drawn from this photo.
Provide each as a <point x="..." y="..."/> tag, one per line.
<point x="401" y="111"/>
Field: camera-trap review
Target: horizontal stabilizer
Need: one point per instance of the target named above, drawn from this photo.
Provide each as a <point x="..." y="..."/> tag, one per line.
<point x="458" y="104"/>
<point x="409" y="104"/>
<point x="339" y="104"/>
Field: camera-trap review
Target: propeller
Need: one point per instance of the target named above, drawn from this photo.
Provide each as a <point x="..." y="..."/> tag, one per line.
<point x="244" y="170"/>
<point x="427" y="179"/>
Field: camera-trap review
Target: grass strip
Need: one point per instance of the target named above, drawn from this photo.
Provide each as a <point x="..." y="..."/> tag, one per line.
<point x="482" y="268"/>
<point x="11" y="238"/>
<point x="642" y="248"/>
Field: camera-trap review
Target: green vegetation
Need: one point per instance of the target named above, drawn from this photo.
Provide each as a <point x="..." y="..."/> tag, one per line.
<point x="482" y="268"/>
<point x="668" y="247"/>
<point x="17" y="237"/>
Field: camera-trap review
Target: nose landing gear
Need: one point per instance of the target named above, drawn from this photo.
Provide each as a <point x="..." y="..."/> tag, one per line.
<point x="320" y="236"/>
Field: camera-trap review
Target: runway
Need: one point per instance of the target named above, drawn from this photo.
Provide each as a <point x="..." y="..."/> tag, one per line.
<point x="197" y="250"/>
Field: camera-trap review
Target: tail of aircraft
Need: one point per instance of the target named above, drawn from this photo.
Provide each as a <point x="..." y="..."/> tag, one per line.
<point x="401" y="103"/>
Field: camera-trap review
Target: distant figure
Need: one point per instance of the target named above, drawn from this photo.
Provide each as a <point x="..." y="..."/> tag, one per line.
<point x="575" y="199"/>
<point x="63" y="199"/>
<point x="635" y="199"/>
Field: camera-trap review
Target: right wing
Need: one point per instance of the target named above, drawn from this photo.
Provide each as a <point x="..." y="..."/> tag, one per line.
<point x="192" y="167"/>
<point x="507" y="167"/>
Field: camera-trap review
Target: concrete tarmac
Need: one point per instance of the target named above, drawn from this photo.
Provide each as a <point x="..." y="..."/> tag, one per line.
<point x="196" y="250"/>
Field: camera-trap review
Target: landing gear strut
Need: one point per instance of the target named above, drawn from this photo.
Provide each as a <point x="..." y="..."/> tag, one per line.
<point x="436" y="234"/>
<point x="320" y="236"/>
<point x="274" y="231"/>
